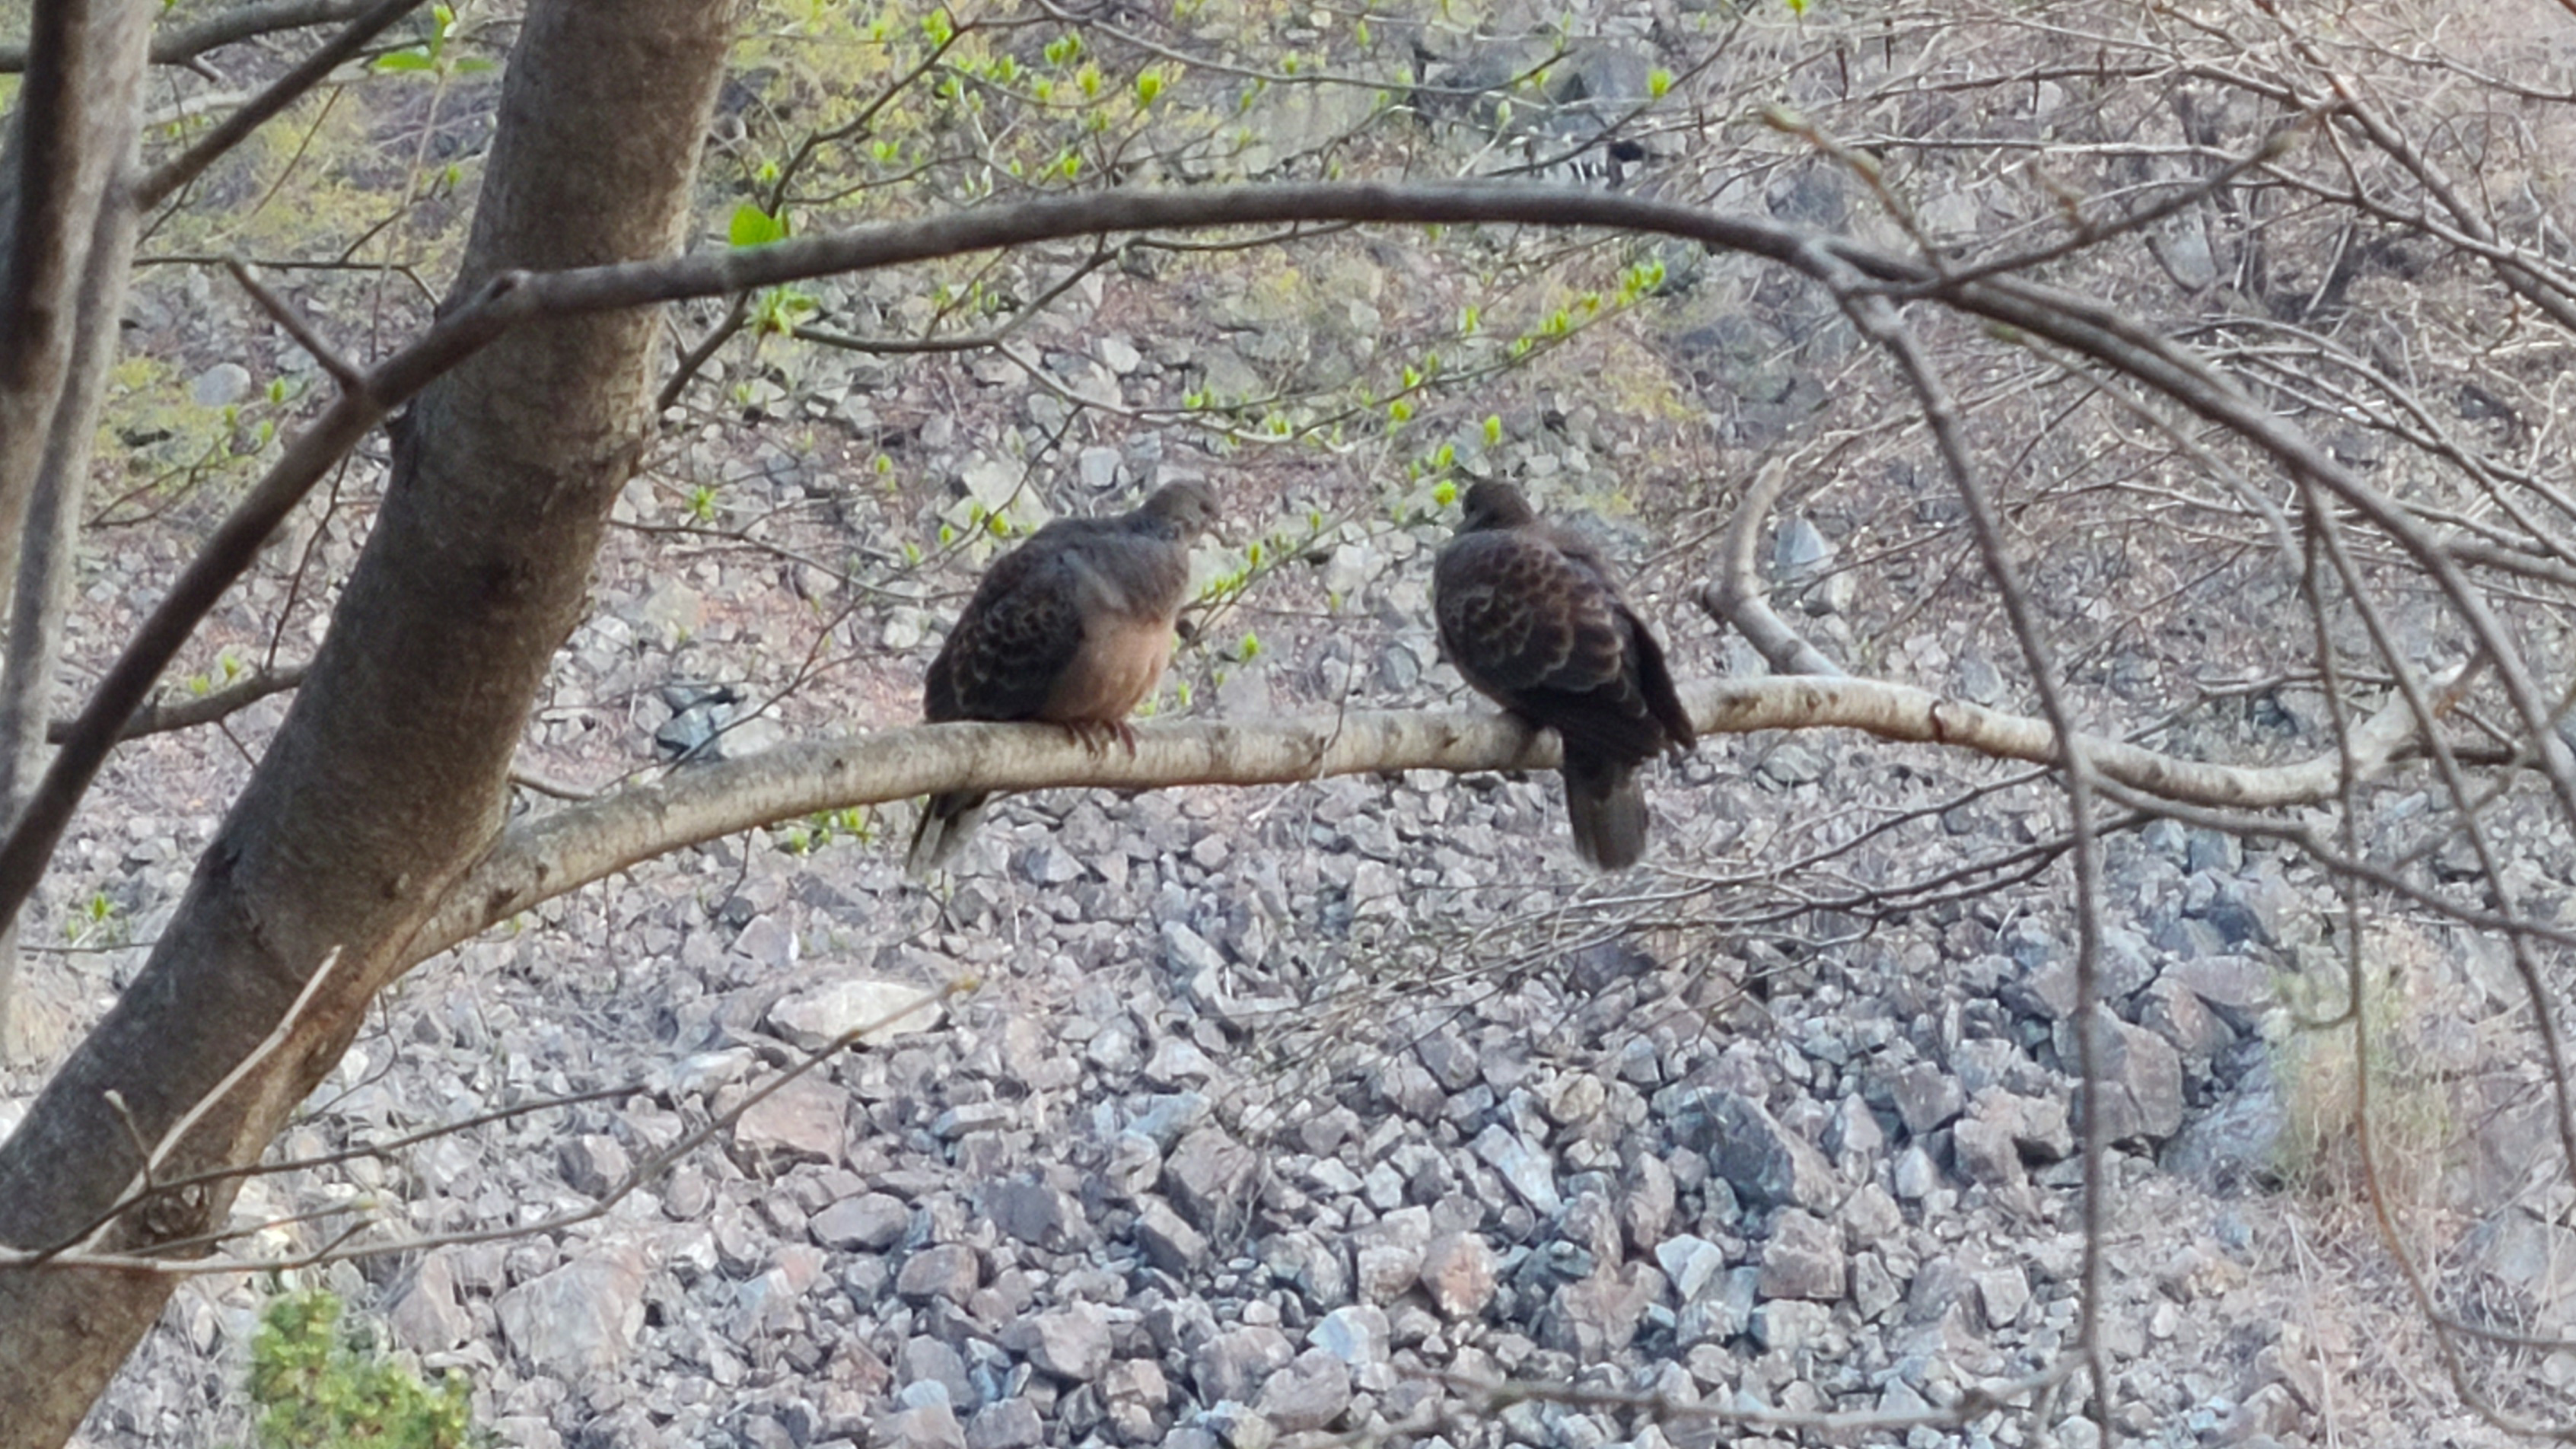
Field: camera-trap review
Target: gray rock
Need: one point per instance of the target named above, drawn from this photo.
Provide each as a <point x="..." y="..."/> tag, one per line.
<point x="1228" y="1423"/>
<point x="1099" y="468"/>
<point x="800" y="1122"/>
<point x="1647" y="1210"/>
<point x="580" y="1319"/>
<point x="1873" y="1288"/>
<point x="1208" y="1176"/>
<point x="221" y="385"/>
<point x="1170" y="1243"/>
<point x="949" y="1272"/>
<point x="593" y="1164"/>
<point x="2141" y="1081"/>
<point x="1320" y="1272"/>
<point x="1234" y="1363"/>
<point x="1035" y="1213"/>
<point x="1986" y="1154"/>
<point x="1047" y="864"/>
<point x="2002" y="1293"/>
<point x="1357" y="1334"/>
<point x="2175" y="1012"/>
<point x="1927" y="1098"/>
<point x="871" y="1222"/>
<point x="1803" y="1259"/>
<point x="2235" y="1145"/>
<point x="1136" y="1392"/>
<point x="1917" y="1176"/>
<point x="1310" y="1393"/>
<point x="1070" y="1343"/>
<point x="1597" y="1316"/>
<point x="1525" y="1169"/>
<point x="427" y="1318"/>
<point x="928" y="1426"/>
<point x="1869" y="1218"/>
<point x="1855" y="1136"/>
<point x="1011" y="1424"/>
<point x="1790" y="1325"/>
<point x="871" y="1006"/>
<point x="1692" y="1264"/>
<point x="2037" y="1125"/>
<point x="1765" y="1163"/>
<point x="1382" y="1272"/>
<point x="2045" y="991"/>
<point x="924" y="1359"/>
<point x="1939" y="1286"/>
<point x="1723" y="1312"/>
<point x="1451" y="1062"/>
<point x="1793" y="764"/>
<point x="1188" y="956"/>
<point x="1458" y="1271"/>
<point x="2238" y="988"/>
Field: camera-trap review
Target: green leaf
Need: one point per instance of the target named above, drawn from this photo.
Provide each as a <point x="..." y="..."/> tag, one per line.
<point x="1658" y="82"/>
<point x="753" y="227"/>
<point x="404" y="60"/>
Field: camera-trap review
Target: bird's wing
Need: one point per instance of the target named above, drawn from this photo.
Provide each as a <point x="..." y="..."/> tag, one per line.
<point x="1544" y="635"/>
<point x="1017" y="637"/>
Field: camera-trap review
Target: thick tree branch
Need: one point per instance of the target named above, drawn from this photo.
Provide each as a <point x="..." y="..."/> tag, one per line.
<point x="539" y="859"/>
<point x="183" y="43"/>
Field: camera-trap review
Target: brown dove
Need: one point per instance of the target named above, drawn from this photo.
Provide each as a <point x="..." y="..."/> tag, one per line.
<point x="1072" y="627"/>
<point x="1529" y="614"/>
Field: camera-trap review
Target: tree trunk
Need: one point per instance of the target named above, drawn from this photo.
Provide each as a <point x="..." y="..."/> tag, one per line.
<point x="388" y="778"/>
<point x="68" y="232"/>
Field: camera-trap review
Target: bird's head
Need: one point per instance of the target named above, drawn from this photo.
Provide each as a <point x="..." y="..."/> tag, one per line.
<point x="1184" y="510"/>
<point x="1494" y="505"/>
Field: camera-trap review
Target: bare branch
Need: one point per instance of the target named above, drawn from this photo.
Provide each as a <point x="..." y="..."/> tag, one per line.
<point x="163" y="716"/>
<point x="179" y="170"/>
<point x="285" y="316"/>
<point x="1736" y="595"/>
<point x="181" y="44"/>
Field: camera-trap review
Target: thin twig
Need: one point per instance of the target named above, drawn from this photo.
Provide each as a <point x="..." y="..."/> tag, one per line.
<point x="341" y="370"/>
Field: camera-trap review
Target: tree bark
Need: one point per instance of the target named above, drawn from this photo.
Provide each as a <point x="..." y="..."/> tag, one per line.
<point x="389" y="776"/>
<point x="51" y="536"/>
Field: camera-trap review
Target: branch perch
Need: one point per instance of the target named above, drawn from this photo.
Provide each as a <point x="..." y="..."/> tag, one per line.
<point x="539" y="859"/>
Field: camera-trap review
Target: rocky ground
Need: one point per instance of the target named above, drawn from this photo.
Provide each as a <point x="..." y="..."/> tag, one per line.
<point x="1243" y="1117"/>
<point x="1253" y="1115"/>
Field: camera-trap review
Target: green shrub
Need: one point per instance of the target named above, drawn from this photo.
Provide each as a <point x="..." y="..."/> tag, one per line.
<point x="319" y="1385"/>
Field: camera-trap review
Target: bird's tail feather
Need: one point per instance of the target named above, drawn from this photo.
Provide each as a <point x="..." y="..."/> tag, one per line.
<point x="946" y="820"/>
<point x="1607" y="806"/>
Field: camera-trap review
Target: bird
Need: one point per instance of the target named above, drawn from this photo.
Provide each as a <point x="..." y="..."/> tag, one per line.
<point x="1530" y="616"/>
<point x="1073" y="627"/>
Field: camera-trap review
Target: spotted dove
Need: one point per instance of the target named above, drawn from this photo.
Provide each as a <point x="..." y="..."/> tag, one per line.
<point x="1072" y="627"/>
<point x="1529" y="615"/>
